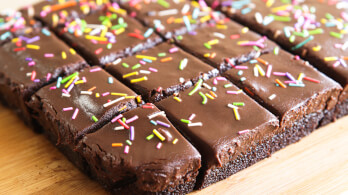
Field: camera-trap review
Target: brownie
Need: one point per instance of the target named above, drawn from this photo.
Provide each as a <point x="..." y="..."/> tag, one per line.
<point x="287" y="86"/>
<point x="80" y="103"/>
<point x="29" y="62"/>
<point x="140" y="152"/>
<point x="224" y="44"/>
<point x="221" y="121"/>
<point x="169" y="18"/>
<point x="104" y="36"/>
<point x="315" y="30"/>
<point x="161" y="71"/>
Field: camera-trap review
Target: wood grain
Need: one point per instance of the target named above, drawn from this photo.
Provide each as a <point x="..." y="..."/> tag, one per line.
<point x="318" y="164"/>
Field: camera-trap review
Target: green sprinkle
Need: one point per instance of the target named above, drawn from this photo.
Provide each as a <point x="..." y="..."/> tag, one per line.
<point x="136" y="66"/>
<point x="66" y="79"/>
<point x="337" y="35"/>
<point x="120" y="20"/>
<point x="149" y="137"/>
<point x="153" y="122"/>
<point x="240" y="73"/>
<point x="238" y="104"/>
<point x="125" y="65"/>
<point x="302" y="43"/>
<point x="292" y="38"/>
<point x="197" y="86"/>
<point x="316" y="31"/>
<point x="207" y="45"/>
<point x="329" y="16"/>
<point x="163" y="3"/>
<point x="281" y="18"/>
<point x="183" y="64"/>
<point x="300" y="34"/>
<point x="180" y="37"/>
<point x="185" y="121"/>
<point x="123" y="119"/>
<point x="205" y="99"/>
<point x="95" y="119"/>
<point x="161" y="54"/>
<point x="228" y="85"/>
<point x="128" y="142"/>
<point x="118" y="26"/>
<point x="109" y="46"/>
<point x="276" y="51"/>
<point x="256" y="48"/>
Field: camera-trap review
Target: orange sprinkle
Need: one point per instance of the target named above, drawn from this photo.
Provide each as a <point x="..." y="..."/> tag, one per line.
<point x="91" y="89"/>
<point x="170" y="20"/>
<point x="117" y="144"/>
<point x="264" y="62"/>
<point x="62" y="6"/>
<point x="213" y="55"/>
<point x="280" y="83"/>
<point x="166" y="59"/>
<point x="345" y="57"/>
<point x="213" y="94"/>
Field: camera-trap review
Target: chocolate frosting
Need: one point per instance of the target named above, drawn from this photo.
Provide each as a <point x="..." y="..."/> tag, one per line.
<point x="166" y="75"/>
<point x="328" y="16"/>
<point x="51" y="103"/>
<point x="228" y="34"/>
<point x="25" y="56"/>
<point x="221" y="137"/>
<point x="153" y="169"/>
<point x="170" y="16"/>
<point x="292" y="102"/>
<point x="111" y="46"/>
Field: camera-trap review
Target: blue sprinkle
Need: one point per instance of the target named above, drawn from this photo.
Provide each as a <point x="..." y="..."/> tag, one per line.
<point x="46" y="32"/>
<point x="148" y="32"/>
<point x="5" y="35"/>
<point x="147" y="60"/>
<point x="58" y="82"/>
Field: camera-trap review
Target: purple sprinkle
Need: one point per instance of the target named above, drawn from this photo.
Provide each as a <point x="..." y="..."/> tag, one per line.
<point x="32" y="40"/>
<point x="162" y="123"/>
<point x="28" y="59"/>
<point x="290" y="76"/>
<point x="131" y="133"/>
<point x="116" y="118"/>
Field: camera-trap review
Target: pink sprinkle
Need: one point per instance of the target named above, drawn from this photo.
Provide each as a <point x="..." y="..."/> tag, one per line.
<point x="241" y="67"/>
<point x="215" y="82"/>
<point x="65" y="91"/>
<point x="105" y="94"/>
<point x="142" y="62"/>
<point x="116" y="118"/>
<point x="221" y="79"/>
<point x="232" y="92"/>
<point x="192" y="117"/>
<point x="338" y="45"/>
<point x="84" y="79"/>
<point x="33" y="75"/>
<point x="244" y="131"/>
<point x="132" y="119"/>
<point x="344" y="15"/>
<point x="297" y="57"/>
<point x="337" y="63"/>
<point x="126" y="149"/>
<point x="43" y="14"/>
<point x="287" y="82"/>
<point x="95" y="69"/>
<point x="49" y="75"/>
<point x="49" y="55"/>
<point x="32" y="63"/>
<point x="159" y="145"/>
<point x="68" y="109"/>
<point x="174" y="49"/>
<point x="153" y="69"/>
<point x="202" y="4"/>
<point x="269" y="71"/>
<point x="75" y="114"/>
<point x="279" y="73"/>
<point x="53" y="88"/>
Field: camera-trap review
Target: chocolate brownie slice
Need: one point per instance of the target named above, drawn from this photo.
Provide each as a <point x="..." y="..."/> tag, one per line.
<point x="30" y="62"/>
<point x="169" y="18"/>
<point x="161" y="71"/>
<point x="287" y="86"/>
<point x="315" y="30"/>
<point x="104" y="36"/>
<point x="223" y="123"/>
<point x="224" y="44"/>
<point x="140" y="152"/>
<point x="80" y="103"/>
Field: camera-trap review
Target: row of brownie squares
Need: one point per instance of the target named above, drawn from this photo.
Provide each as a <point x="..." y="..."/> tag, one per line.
<point x="241" y="67"/>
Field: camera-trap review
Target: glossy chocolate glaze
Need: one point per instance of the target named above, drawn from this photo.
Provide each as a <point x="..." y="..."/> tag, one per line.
<point x="226" y="47"/>
<point x="222" y="137"/>
<point x="168" y="76"/>
<point x="124" y="44"/>
<point x="48" y="103"/>
<point x="293" y="102"/>
<point x="152" y="12"/>
<point x="323" y="11"/>
<point x="152" y="169"/>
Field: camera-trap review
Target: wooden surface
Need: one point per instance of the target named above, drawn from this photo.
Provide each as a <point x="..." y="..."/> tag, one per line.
<point x="318" y="164"/>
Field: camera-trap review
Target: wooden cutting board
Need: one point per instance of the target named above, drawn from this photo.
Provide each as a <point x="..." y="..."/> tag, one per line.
<point x="318" y="164"/>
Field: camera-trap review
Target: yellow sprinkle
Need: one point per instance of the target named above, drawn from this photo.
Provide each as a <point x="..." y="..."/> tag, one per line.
<point x="146" y="57"/>
<point x="280" y="8"/>
<point x="138" y="98"/>
<point x="206" y="55"/>
<point x="261" y="71"/>
<point x="236" y="114"/>
<point x="72" y="51"/>
<point x="79" y="82"/>
<point x="15" y="40"/>
<point x="97" y="95"/>
<point x="177" y="99"/>
<point x="130" y="97"/>
<point x="36" y="47"/>
<point x="63" y="55"/>
<point x="330" y="58"/>
<point x="213" y="42"/>
<point x="124" y="107"/>
<point x="300" y="76"/>
<point x="130" y="74"/>
<point x="209" y="96"/>
<point x="159" y="135"/>
<point x="87" y="30"/>
<point x="178" y="20"/>
<point x="221" y="26"/>
<point x="245" y="30"/>
<point x="70" y="81"/>
<point x="317" y="48"/>
<point x="103" y="32"/>
<point x="117" y="10"/>
<point x="119" y="31"/>
<point x="269" y="3"/>
<point x="139" y="79"/>
<point x="175" y="141"/>
<point x="55" y="19"/>
<point x="119" y="94"/>
<point x="99" y="2"/>
<point x="205" y="18"/>
<point x="242" y="42"/>
<point x="96" y="38"/>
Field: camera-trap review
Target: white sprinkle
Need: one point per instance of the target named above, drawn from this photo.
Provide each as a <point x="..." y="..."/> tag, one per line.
<point x="117" y="61"/>
<point x="144" y="72"/>
<point x="256" y="72"/>
<point x="232" y="106"/>
<point x="206" y="86"/>
<point x="221" y="36"/>
<point x="181" y="80"/>
<point x="65" y="95"/>
<point x="195" y="124"/>
<point x="157" y="114"/>
<point x="344" y="46"/>
<point x="258" y="17"/>
<point x="168" y="12"/>
<point x="119" y="128"/>
<point x="113" y="102"/>
<point x="185" y="9"/>
<point x="86" y="92"/>
<point x="272" y="96"/>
